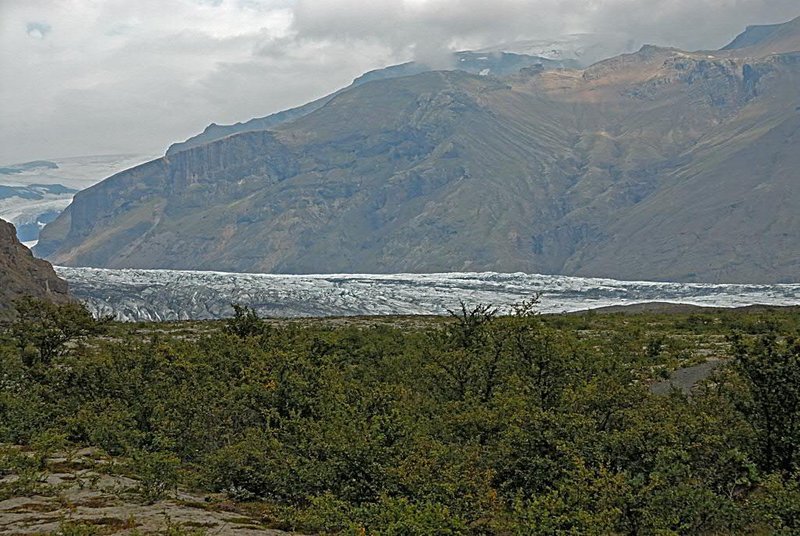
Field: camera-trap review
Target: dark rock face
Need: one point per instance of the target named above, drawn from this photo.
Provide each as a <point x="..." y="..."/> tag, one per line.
<point x="22" y="274"/>
<point x="660" y="164"/>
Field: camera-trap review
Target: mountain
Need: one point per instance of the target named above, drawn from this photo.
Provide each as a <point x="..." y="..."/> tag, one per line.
<point x="30" y="207"/>
<point x="495" y="62"/>
<point x="27" y="166"/>
<point x="22" y="274"/>
<point x="661" y="164"/>
<point x="767" y="39"/>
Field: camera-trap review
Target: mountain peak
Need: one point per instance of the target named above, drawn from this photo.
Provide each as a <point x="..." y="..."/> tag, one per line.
<point x="487" y="62"/>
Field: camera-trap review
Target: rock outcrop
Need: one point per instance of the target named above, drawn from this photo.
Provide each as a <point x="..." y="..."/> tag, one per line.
<point x="22" y="274"/>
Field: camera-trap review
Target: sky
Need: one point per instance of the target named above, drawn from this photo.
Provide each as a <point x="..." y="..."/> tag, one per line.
<point x="90" y="77"/>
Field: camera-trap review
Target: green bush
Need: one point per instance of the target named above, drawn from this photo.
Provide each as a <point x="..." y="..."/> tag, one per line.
<point x="157" y="473"/>
<point x="475" y="424"/>
<point x="42" y="329"/>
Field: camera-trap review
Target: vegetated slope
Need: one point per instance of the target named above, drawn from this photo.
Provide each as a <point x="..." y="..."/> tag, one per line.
<point x="742" y="212"/>
<point x="660" y="164"/>
<point x="21" y="274"/>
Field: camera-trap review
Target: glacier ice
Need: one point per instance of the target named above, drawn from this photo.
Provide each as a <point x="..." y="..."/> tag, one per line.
<point x="139" y="295"/>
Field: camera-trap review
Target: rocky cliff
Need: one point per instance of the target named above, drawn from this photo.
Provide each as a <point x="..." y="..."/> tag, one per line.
<point x="661" y="164"/>
<point x="22" y="274"/>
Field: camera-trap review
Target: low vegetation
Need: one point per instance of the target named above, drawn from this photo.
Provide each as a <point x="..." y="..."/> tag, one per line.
<point x="475" y="424"/>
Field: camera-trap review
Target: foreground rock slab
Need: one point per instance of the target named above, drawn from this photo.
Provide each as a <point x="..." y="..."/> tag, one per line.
<point x="75" y="493"/>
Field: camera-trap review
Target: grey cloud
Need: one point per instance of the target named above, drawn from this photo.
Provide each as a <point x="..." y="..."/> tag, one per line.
<point x="689" y="24"/>
<point x="150" y="73"/>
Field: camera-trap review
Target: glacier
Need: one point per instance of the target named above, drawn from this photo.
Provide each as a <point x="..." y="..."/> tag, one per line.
<point x="30" y="213"/>
<point x="163" y="295"/>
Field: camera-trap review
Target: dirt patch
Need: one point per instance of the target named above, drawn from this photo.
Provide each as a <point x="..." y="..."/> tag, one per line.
<point x="687" y="378"/>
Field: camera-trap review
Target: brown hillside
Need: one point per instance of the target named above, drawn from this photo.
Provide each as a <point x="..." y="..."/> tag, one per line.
<point x="22" y="274"/>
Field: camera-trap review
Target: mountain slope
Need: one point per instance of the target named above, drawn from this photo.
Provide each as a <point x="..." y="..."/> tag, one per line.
<point x="768" y="39"/>
<point x="496" y="63"/>
<point x="652" y="165"/>
<point x="711" y="227"/>
<point x="35" y="193"/>
<point x="22" y="274"/>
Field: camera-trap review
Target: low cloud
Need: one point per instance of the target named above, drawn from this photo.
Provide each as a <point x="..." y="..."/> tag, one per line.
<point x="37" y="30"/>
<point x="119" y="76"/>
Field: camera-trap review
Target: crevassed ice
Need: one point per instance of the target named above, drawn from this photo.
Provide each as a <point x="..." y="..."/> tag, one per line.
<point x="134" y="295"/>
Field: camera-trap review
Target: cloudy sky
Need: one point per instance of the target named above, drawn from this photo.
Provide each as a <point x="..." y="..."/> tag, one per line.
<point x="85" y="77"/>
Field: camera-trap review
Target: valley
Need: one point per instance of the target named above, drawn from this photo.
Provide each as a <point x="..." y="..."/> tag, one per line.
<point x="533" y="275"/>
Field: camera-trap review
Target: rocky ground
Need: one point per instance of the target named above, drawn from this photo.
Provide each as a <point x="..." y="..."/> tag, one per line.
<point x="79" y="493"/>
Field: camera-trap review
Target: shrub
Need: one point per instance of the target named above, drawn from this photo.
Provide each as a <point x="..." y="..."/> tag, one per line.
<point x="42" y="329"/>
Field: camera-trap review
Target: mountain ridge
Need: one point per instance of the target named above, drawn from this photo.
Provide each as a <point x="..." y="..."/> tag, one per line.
<point x="767" y="39"/>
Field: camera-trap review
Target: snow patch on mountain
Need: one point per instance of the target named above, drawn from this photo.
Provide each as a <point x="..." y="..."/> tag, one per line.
<point x="583" y="48"/>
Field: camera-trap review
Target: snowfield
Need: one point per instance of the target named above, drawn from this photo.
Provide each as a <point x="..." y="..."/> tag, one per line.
<point x="76" y="173"/>
<point x="137" y="295"/>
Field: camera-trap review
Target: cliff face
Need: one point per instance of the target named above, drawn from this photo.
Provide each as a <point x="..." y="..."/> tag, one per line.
<point x="661" y="164"/>
<point x="22" y="274"/>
